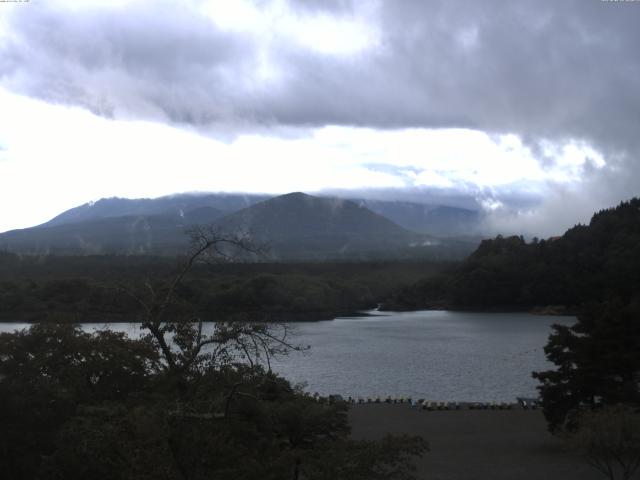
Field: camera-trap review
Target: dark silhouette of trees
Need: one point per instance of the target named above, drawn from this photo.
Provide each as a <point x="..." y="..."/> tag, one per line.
<point x="597" y="364"/>
<point x="47" y="372"/>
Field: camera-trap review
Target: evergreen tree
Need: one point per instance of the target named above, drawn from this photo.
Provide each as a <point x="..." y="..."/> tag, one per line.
<point x="598" y="363"/>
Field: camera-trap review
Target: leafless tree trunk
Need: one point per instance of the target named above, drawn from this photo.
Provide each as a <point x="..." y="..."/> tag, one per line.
<point x="252" y="340"/>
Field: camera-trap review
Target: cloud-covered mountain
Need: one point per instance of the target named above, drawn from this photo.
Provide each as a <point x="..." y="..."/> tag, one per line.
<point x="438" y="220"/>
<point x="292" y="226"/>
<point x="126" y="226"/>
<point x="304" y="226"/>
<point x="202" y="208"/>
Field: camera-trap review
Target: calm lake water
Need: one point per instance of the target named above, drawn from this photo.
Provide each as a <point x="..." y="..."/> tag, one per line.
<point x="439" y="355"/>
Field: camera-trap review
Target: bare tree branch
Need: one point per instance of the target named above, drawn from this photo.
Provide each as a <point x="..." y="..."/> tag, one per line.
<point x="182" y="343"/>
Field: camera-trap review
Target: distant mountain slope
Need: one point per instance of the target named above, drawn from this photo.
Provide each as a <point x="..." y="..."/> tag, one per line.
<point x="125" y="226"/>
<point x="437" y="220"/>
<point x="130" y="235"/>
<point x="176" y="205"/>
<point x="441" y="221"/>
<point x="294" y="226"/>
<point x="588" y="263"/>
<point x="297" y="224"/>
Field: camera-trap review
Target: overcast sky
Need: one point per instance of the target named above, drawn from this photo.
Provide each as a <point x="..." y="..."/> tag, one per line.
<point x="529" y="110"/>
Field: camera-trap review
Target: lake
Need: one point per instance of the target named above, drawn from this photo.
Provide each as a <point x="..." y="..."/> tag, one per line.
<point x="439" y="355"/>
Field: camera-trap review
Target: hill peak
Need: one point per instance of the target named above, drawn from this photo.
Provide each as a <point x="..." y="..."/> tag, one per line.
<point x="311" y="199"/>
<point x="296" y="195"/>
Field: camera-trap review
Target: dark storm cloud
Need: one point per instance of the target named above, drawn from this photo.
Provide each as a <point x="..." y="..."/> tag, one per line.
<point x="542" y="68"/>
<point x="546" y="70"/>
<point x="135" y="59"/>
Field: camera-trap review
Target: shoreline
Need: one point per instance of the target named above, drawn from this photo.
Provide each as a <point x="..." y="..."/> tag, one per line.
<point x="282" y="317"/>
<point x="546" y="310"/>
<point x="97" y="318"/>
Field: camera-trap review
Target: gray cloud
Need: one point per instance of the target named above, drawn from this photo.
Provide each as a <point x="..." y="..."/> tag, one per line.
<point x="134" y="61"/>
<point x="464" y="196"/>
<point x="541" y="68"/>
<point x="546" y="70"/>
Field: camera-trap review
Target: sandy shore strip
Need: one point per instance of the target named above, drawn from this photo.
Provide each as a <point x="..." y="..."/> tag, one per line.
<point x="475" y="444"/>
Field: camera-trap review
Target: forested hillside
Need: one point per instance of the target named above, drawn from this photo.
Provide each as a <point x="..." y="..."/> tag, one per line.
<point x="588" y="263"/>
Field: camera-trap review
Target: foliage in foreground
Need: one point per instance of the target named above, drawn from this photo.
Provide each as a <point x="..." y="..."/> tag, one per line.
<point x="102" y="406"/>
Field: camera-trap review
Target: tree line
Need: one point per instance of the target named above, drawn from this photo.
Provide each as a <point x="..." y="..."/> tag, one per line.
<point x="90" y="288"/>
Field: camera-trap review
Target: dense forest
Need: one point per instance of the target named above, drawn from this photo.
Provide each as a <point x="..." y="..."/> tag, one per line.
<point x="590" y="262"/>
<point x="91" y="288"/>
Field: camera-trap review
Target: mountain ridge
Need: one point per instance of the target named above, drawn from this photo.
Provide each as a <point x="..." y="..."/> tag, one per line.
<point x="437" y="220"/>
<point x="296" y="225"/>
<point x="170" y="204"/>
<point x="314" y="227"/>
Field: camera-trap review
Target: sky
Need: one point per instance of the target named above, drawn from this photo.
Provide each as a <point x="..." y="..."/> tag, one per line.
<point x="528" y="110"/>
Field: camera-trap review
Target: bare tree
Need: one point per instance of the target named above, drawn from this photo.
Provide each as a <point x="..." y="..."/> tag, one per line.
<point x="184" y="345"/>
